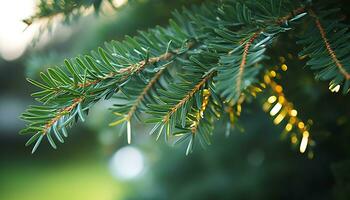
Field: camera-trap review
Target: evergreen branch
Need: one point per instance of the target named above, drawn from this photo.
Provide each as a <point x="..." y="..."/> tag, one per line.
<point x="200" y="113"/>
<point x="201" y="119"/>
<point x="195" y="89"/>
<point x="231" y="38"/>
<point x="61" y="113"/>
<point x="328" y="46"/>
<point x="238" y="67"/>
<point x="144" y="93"/>
<point x="244" y="60"/>
<point x="48" y="10"/>
<point x="290" y="15"/>
<point x="325" y="44"/>
<point x="134" y="68"/>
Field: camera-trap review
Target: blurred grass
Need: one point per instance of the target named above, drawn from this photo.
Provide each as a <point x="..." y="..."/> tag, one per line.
<point x="74" y="179"/>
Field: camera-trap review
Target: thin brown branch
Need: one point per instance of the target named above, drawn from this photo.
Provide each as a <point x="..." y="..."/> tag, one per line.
<point x="137" y="67"/>
<point x="295" y="12"/>
<point x="244" y="60"/>
<point x="143" y="94"/>
<point x="61" y="113"/>
<point x="132" y="68"/>
<point x="331" y="52"/>
<point x="187" y="97"/>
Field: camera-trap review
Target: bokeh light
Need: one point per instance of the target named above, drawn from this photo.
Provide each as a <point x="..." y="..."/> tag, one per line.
<point x="13" y="38"/>
<point x="127" y="163"/>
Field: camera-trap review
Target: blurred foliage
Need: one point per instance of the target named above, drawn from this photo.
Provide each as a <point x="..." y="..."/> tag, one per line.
<point x="64" y="11"/>
<point x="92" y="32"/>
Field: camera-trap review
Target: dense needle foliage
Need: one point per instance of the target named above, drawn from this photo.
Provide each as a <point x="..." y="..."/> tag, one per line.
<point x="184" y="77"/>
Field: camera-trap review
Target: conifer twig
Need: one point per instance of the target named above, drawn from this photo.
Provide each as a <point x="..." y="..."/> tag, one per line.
<point x="144" y="93"/>
<point x="244" y="60"/>
<point x="294" y="12"/>
<point x="200" y="112"/>
<point x="331" y="52"/>
<point x="132" y="68"/>
<point x="61" y="113"/>
<point x="187" y="97"/>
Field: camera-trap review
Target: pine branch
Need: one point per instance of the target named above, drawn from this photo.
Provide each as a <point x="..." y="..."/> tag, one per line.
<point x="292" y="15"/>
<point x="328" y="46"/>
<point x="325" y="43"/>
<point x="244" y="60"/>
<point x="144" y="93"/>
<point x="247" y="64"/>
<point x="65" y="9"/>
<point x="64" y="111"/>
<point x="134" y="68"/>
<point x="185" y="99"/>
<point x="139" y="99"/>
<point x="200" y="113"/>
<point x="218" y="47"/>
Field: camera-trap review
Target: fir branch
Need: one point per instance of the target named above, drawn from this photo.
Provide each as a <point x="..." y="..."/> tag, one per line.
<point x="200" y="113"/>
<point x="61" y="113"/>
<point x="143" y="94"/>
<point x="330" y="50"/>
<point x="244" y="60"/>
<point x="134" y="68"/>
<point x="231" y="38"/>
<point x="291" y="15"/>
<point x="64" y="9"/>
<point x="195" y="89"/>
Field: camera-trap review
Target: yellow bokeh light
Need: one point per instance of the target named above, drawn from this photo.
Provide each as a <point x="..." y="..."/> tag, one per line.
<point x="278" y="88"/>
<point x="333" y="88"/>
<point x="267" y="79"/>
<point x="273" y="73"/>
<point x="288" y="127"/>
<point x="284" y="67"/>
<point x="279" y="118"/>
<point x="239" y="109"/>
<point x="292" y="120"/>
<point x="303" y="143"/>
<point x="266" y="106"/>
<point x="272" y="99"/>
<point x="294" y="139"/>
<point x="301" y="125"/>
<point x="281" y="99"/>
<point x="293" y="113"/>
<point x="275" y="109"/>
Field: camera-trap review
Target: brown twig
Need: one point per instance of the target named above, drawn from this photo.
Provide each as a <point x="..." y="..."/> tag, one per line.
<point x="141" y="97"/>
<point x="328" y="46"/>
<point x="244" y="60"/>
<point x="187" y="97"/>
<point x="132" y="68"/>
<point x="61" y="113"/>
<point x="295" y="12"/>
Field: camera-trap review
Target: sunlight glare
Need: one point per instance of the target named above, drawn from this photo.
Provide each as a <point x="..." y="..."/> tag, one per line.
<point x="13" y="38"/>
<point x="127" y="163"/>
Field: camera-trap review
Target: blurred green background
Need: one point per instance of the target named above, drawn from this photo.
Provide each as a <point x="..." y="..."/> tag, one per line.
<point x="95" y="162"/>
